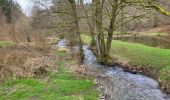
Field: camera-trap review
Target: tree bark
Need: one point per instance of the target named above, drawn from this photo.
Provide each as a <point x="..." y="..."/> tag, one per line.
<point x="90" y="24"/>
<point x="99" y="26"/>
<point x="93" y="26"/>
<point x="76" y="23"/>
<point x="111" y="27"/>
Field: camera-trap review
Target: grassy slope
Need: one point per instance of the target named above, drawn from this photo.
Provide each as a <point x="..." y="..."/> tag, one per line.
<point x="141" y="55"/>
<point x="57" y="86"/>
<point x="5" y="44"/>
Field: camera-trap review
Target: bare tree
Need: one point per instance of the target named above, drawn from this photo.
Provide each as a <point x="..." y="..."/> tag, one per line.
<point x="90" y="21"/>
<point x="112" y="10"/>
<point x="76" y="27"/>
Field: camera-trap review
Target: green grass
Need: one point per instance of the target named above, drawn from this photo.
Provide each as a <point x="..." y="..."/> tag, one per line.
<point x="86" y="39"/>
<point x="59" y="86"/>
<point x="139" y="33"/>
<point x="5" y="44"/>
<point x="141" y="55"/>
<point x="153" y="33"/>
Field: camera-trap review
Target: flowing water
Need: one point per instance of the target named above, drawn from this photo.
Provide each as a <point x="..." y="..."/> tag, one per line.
<point x="160" y="41"/>
<point x="120" y="85"/>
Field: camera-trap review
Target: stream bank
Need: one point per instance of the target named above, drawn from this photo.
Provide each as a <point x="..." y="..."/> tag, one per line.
<point x="117" y="84"/>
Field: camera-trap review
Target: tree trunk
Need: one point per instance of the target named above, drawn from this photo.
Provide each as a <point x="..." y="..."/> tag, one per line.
<point x="93" y="26"/>
<point x="99" y="27"/>
<point x="111" y="27"/>
<point x="108" y="45"/>
<point x="90" y="24"/>
<point x="76" y="27"/>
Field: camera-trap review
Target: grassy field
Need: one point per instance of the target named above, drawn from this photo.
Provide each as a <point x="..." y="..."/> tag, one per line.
<point x="142" y="56"/>
<point x="61" y="85"/>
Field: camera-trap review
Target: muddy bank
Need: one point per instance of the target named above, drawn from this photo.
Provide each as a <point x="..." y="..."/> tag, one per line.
<point x="120" y="85"/>
<point x="146" y="71"/>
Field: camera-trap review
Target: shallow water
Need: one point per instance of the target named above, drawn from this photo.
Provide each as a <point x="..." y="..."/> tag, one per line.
<point x="62" y="43"/>
<point x="154" y="41"/>
<point x="120" y="85"/>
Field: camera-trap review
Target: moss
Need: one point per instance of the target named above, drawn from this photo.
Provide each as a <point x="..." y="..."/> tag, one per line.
<point x="105" y="60"/>
<point x="165" y="73"/>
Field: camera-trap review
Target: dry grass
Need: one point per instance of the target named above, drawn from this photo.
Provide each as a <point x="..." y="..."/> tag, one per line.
<point x="71" y="62"/>
<point x="83" y="70"/>
<point x="61" y="85"/>
<point x="24" y="61"/>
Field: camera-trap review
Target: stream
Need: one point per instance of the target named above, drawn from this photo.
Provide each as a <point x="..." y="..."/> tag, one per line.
<point x="120" y="85"/>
